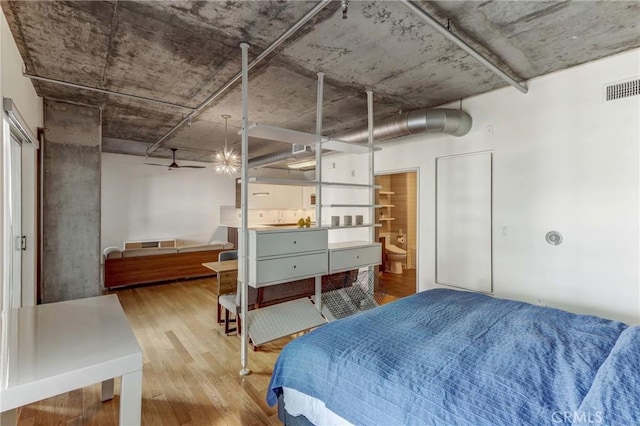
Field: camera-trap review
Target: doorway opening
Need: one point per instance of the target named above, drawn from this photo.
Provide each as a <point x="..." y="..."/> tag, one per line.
<point x="397" y="214"/>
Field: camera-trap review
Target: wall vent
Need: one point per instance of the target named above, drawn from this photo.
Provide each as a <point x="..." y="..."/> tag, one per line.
<point x="623" y="89"/>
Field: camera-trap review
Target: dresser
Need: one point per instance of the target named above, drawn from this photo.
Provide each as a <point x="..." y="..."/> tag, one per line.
<point x="278" y="255"/>
<point x="350" y="255"/>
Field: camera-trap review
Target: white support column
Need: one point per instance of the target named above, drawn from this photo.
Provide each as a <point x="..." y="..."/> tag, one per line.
<point x="372" y="181"/>
<point x="244" y="249"/>
<point x="319" y="104"/>
<point x="372" y="178"/>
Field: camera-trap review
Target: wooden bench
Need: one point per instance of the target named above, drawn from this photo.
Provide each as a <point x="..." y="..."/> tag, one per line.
<point x="125" y="271"/>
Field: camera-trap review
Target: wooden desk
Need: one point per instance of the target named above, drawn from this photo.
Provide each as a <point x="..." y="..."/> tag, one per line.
<point x="227" y="281"/>
<point x="58" y="347"/>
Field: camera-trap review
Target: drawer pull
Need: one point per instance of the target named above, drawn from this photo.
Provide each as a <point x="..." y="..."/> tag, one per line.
<point x="357" y="257"/>
<point x="294" y="266"/>
<point x="294" y="242"/>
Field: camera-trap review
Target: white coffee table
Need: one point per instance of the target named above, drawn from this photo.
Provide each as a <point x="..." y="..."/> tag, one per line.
<point x="59" y="347"/>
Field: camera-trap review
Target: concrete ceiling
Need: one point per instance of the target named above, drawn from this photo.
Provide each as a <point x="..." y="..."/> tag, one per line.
<point x="181" y="52"/>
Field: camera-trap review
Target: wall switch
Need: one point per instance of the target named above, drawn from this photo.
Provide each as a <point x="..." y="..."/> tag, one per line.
<point x="505" y="231"/>
<point x="353" y="173"/>
<point x="490" y="129"/>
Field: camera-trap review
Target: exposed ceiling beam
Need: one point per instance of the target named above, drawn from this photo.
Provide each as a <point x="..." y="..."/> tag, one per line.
<point x="273" y="46"/>
<point x="105" y="91"/>
<point x="463" y="45"/>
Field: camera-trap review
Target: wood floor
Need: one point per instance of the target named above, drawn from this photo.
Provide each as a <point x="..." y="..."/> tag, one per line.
<point x="398" y="285"/>
<point x="190" y="373"/>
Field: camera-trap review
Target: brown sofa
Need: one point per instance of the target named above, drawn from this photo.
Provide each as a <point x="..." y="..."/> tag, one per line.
<point x="150" y="265"/>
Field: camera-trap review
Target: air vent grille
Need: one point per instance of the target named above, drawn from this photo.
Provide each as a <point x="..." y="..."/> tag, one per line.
<point x="623" y="89"/>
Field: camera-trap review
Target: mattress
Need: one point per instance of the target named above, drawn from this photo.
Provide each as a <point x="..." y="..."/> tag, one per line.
<point x="300" y="404"/>
<point x="453" y="357"/>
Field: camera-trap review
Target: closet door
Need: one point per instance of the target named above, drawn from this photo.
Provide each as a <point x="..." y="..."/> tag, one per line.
<point x="13" y="218"/>
<point x="463" y="221"/>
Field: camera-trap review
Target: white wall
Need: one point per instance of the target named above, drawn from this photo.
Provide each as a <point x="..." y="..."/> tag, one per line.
<point x="348" y="169"/>
<point x="564" y="160"/>
<point x="142" y="202"/>
<point x="14" y="85"/>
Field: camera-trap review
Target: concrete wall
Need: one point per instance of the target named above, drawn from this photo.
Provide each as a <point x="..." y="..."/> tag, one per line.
<point x="71" y="202"/>
<point x="564" y="160"/>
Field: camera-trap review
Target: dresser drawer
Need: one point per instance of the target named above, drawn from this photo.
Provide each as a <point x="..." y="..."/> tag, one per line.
<point x="290" y="268"/>
<point x="352" y="258"/>
<point x="265" y="244"/>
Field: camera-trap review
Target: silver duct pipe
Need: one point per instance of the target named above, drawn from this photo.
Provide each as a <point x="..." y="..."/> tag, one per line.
<point x="439" y="120"/>
<point x="449" y="121"/>
<point x="263" y="160"/>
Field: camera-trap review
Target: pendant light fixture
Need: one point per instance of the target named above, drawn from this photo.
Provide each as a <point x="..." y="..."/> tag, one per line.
<point x="226" y="161"/>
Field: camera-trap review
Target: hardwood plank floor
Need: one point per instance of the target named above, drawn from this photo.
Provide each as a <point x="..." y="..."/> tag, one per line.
<point x="398" y="285"/>
<point x="190" y="371"/>
<point x="190" y="368"/>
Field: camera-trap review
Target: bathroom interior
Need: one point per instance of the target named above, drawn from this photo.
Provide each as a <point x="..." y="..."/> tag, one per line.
<point x="397" y="212"/>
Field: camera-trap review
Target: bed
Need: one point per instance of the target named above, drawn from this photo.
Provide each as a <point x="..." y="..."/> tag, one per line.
<point x="445" y="357"/>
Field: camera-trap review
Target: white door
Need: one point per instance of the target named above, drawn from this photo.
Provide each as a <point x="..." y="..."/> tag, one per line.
<point x="463" y="221"/>
<point x="15" y="222"/>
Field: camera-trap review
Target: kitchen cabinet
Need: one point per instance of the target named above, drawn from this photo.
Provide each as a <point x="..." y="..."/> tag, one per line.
<point x="266" y="196"/>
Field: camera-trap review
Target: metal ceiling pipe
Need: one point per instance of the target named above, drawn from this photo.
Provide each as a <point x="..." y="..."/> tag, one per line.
<point x="463" y="45"/>
<point x="438" y="120"/>
<point x="273" y="46"/>
<point x="105" y="91"/>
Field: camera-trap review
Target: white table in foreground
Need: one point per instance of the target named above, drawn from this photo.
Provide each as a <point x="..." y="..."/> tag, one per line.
<point x="59" y="347"/>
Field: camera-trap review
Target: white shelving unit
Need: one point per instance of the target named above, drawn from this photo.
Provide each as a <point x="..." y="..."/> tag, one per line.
<point x="269" y="257"/>
<point x="282" y="181"/>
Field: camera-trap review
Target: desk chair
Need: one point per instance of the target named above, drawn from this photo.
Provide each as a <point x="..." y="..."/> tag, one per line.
<point x="227" y="255"/>
<point x="222" y="256"/>
<point x="231" y="304"/>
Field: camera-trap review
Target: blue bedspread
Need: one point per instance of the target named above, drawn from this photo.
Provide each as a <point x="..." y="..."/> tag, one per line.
<point x="614" y="397"/>
<point x="450" y="357"/>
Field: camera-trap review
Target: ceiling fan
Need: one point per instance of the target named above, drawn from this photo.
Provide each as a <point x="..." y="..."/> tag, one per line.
<point x="173" y="164"/>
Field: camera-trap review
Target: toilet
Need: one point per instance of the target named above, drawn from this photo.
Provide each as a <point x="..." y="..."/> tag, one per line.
<point x="396" y="256"/>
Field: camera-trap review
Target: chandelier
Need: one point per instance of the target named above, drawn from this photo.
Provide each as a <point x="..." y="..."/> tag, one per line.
<point x="226" y="161"/>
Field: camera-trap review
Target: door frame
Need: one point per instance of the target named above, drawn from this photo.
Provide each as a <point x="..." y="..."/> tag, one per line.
<point x="415" y="170"/>
<point x="14" y="127"/>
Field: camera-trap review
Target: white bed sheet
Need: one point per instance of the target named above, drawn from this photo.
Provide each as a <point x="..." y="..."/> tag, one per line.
<point x="298" y="403"/>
